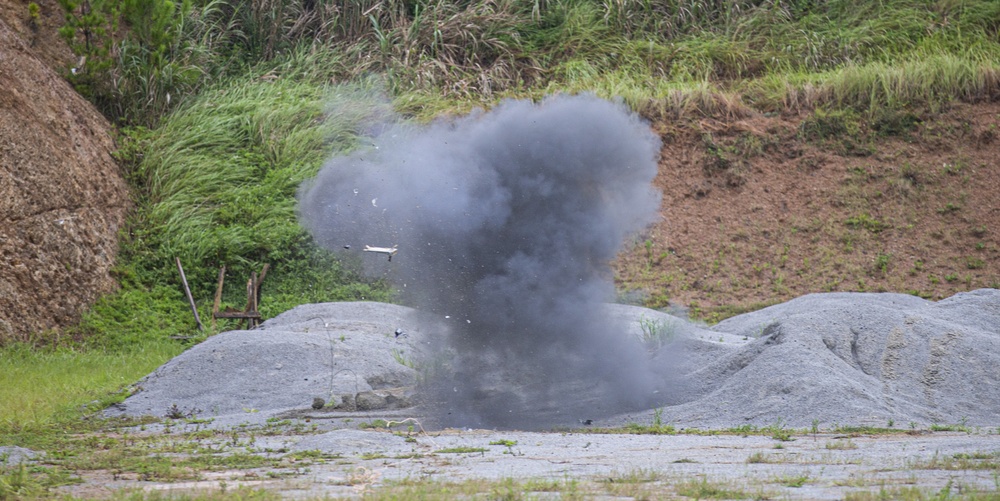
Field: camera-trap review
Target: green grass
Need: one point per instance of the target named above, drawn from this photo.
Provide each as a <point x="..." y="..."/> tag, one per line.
<point x="703" y="489"/>
<point x="39" y="388"/>
<point x="460" y="450"/>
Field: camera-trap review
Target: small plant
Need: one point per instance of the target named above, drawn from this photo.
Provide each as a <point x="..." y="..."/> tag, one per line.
<point x="18" y="483"/>
<point x="656" y="333"/>
<point x="34" y="15"/>
<point x="779" y="432"/>
<point x="866" y="222"/>
<point x="797" y="481"/>
<point x="375" y="423"/>
<point x="882" y="262"/>
<point x="402" y="359"/>
<point x="703" y="489"/>
<point x="830" y="124"/>
<point x="953" y="169"/>
<point x="759" y="458"/>
<point x="840" y="445"/>
<point x="504" y="442"/>
<point x="175" y="412"/>
<point x="949" y="208"/>
<point x="460" y="450"/>
<point x="638" y="476"/>
<point x="974" y="263"/>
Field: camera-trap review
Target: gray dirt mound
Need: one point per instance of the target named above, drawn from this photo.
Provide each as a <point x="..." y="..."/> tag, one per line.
<point x="317" y="350"/>
<point x="851" y="359"/>
<point x="840" y="358"/>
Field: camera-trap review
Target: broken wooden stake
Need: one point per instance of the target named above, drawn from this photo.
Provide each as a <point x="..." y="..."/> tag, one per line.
<point x="218" y="295"/>
<point x="187" y="290"/>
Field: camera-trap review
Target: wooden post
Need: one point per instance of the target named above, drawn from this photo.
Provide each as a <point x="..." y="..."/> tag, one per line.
<point x="218" y="294"/>
<point x="187" y="290"/>
<point x="260" y="280"/>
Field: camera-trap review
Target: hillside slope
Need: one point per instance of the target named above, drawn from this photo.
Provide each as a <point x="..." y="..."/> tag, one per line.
<point x="764" y="209"/>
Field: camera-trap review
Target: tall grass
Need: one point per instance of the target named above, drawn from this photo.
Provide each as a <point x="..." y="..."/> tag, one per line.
<point x="484" y="50"/>
<point x="220" y="175"/>
<point x="216" y="186"/>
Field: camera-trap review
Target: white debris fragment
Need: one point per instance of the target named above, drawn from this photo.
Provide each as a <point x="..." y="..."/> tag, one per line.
<point x="391" y="251"/>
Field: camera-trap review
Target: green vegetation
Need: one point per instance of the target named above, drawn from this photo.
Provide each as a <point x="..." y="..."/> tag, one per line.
<point x="41" y="388"/>
<point x="656" y="333"/>
<point x="703" y="489"/>
<point x="237" y="96"/>
<point x="226" y="107"/>
<point x="460" y="450"/>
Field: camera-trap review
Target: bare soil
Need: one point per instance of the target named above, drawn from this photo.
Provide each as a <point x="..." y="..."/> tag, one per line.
<point x="761" y="210"/>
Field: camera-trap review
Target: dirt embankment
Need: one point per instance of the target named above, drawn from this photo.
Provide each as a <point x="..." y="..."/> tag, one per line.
<point x="764" y="209"/>
<point x="62" y="197"/>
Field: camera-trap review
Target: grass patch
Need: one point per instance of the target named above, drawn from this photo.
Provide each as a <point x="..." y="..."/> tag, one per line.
<point x="983" y="461"/>
<point x="703" y="489"/>
<point x="43" y="387"/>
<point x="792" y="481"/>
<point x="841" y="445"/>
<point x="460" y="450"/>
<point x="637" y="476"/>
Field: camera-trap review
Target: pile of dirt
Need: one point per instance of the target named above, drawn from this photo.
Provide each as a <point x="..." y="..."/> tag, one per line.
<point x="850" y="359"/>
<point x="62" y="196"/>
<point x="838" y="358"/>
<point x="347" y="354"/>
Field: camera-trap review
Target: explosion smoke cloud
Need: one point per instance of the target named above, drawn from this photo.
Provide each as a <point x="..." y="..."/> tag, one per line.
<point x="505" y="222"/>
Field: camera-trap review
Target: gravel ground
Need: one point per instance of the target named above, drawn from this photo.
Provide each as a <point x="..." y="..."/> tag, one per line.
<point x="821" y="466"/>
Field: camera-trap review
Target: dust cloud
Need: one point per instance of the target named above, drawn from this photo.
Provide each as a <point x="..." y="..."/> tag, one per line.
<point x="505" y="223"/>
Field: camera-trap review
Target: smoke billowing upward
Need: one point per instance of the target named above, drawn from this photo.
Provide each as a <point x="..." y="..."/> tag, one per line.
<point x="506" y="222"/>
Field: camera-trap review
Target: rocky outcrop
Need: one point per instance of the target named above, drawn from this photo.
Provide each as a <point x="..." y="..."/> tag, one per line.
<point x="62" y="196"/>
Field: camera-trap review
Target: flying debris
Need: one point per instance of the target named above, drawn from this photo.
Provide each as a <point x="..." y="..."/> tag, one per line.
<point x="391" y="251"/>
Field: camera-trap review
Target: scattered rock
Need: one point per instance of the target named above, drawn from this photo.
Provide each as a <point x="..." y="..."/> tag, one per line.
<point x="11" y="455"/>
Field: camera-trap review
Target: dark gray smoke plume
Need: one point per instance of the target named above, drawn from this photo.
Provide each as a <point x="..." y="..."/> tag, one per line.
<point x="506" y="222"/>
